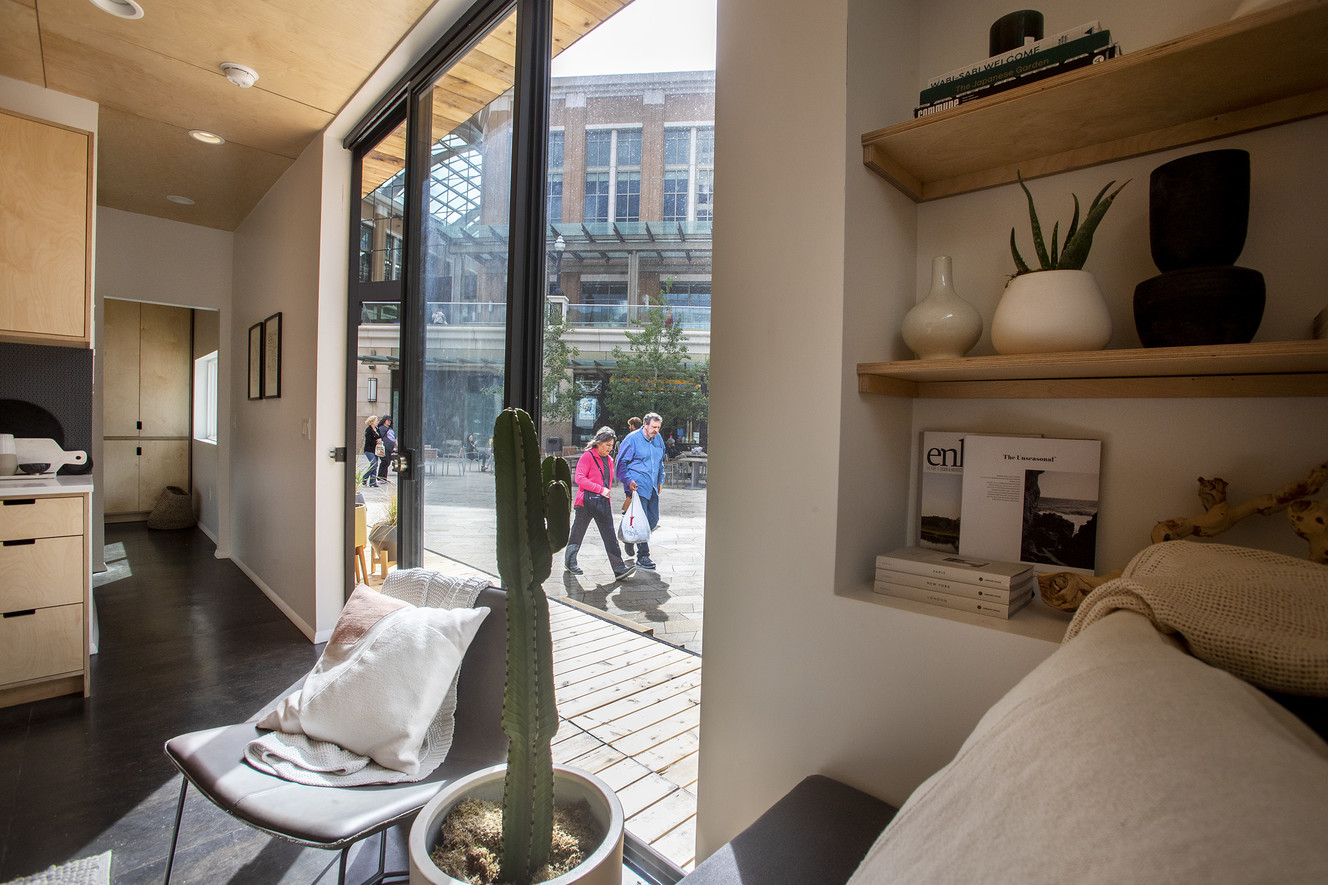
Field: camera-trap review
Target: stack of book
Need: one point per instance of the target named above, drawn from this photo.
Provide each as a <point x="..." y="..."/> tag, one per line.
<point x="1078" y="47"/>
<point x="995" y="589"/>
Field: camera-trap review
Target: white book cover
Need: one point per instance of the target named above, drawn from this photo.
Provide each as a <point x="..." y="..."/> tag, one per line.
<point x="940" y="488"/>
<point x="988" y="607"/>
<point x="1032" y="500"/>
<point x="988" y="592"/>
<point x="953" y="567"/>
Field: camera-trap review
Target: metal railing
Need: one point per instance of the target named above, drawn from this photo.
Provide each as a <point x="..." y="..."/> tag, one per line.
<point x="598" y="316"/>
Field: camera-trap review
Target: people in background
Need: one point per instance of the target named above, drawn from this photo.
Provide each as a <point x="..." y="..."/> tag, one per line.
<point x="371" y="441"/>
<point x="641" y="467"/>
<point x="389" y="437"/>
<point x="594" y="479"/>
<point x="671" y="448"/>
<point x="473" y="453"/>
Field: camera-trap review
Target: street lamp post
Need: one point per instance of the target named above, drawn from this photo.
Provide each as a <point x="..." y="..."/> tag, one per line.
<point x="559" y="247"/>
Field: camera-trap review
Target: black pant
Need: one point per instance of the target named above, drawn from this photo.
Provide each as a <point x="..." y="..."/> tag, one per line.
<point x="605" y="522"/>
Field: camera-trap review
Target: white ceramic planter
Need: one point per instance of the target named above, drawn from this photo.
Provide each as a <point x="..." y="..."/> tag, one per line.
<point x="603" y="867"/>
<point x="1051" y="311"/>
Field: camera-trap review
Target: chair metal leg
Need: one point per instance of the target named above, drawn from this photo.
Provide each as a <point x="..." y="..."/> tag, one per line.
<point x="175" y="834"/>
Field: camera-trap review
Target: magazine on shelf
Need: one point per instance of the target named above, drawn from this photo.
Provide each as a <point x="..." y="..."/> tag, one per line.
<point x="988" y="592"/>
<point x="1025" y="51"/>
<point x="987" y="607"/>
<point x="1032" y="500"/>
<point x="953" y="567"/>
<point x="1083" y="61"/>
<point x="1019" y="67"/>
<point x="940" y="488"/>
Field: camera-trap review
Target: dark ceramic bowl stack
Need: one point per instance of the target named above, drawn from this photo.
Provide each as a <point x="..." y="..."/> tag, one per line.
<point x="1198" y="212"/>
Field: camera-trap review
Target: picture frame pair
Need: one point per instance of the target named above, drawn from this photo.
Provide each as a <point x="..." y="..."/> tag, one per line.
<point x="265" y="358"/>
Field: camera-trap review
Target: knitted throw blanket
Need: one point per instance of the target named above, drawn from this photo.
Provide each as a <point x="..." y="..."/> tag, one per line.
<point x="1258" y="615"/>
<point x="304" y="760"/>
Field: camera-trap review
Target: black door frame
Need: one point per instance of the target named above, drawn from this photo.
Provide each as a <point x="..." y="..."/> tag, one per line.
<point x="409" y="100"/>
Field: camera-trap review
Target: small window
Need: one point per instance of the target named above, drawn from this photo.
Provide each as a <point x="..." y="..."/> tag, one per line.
<point x="205" y="398"/>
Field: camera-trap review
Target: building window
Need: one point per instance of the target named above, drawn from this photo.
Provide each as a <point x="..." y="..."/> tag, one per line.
<point x="613" y="174"/>
<point x="555" y="195"/>
<point x="205" y="398"/>
<point x="689" y="173"/>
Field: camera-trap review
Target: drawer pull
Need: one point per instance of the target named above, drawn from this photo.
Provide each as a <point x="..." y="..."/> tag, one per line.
<point x="15" y="502"/>
<point x="19" y="543"/>
<point x="21" y="614"/>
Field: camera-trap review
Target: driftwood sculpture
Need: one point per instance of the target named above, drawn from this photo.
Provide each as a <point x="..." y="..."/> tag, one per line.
<point x="1307" y="517"/>
<point x="1066" y="590"/>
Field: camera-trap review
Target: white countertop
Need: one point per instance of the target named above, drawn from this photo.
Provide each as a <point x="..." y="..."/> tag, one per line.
<point x="28" y="486"/>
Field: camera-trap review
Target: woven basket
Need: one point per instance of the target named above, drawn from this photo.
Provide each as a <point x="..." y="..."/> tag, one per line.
<point x="174" y="510"/>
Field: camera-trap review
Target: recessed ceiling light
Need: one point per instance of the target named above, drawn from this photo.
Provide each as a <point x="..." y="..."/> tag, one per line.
<point x="206" y="137"/>
<point x="120" y="8"/>
<point x="240" y="75"/>
<point x="183" y="201"/>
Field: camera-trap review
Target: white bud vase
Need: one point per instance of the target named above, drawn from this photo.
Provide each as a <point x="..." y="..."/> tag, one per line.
<point x="1051" y="311"/>
<point x="942" y="325"/>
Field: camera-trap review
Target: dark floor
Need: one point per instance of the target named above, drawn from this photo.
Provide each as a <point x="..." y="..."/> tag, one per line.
<point x="187" y="642"/>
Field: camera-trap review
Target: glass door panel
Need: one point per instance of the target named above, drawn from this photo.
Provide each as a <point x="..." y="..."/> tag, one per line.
<point x="375" y="331"/>
<point x="464" y="282"/>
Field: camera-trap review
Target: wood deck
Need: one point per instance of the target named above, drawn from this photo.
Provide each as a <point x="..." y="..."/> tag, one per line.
<point x="631" y="714"/>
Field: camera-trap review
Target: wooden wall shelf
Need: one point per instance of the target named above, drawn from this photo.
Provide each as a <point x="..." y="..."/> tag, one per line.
<point x="1260" y="70"/>
<point x="1274" y="368"/>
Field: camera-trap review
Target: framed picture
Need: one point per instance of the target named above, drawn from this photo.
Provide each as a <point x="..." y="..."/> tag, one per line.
<point x="272" y="357"/>
<point x="256" y="361"/>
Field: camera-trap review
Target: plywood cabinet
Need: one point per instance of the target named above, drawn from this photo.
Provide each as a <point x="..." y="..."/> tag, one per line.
<point x="45" y="192"/>
<point x="45" y="600"/>
<point x="146" y="407"/>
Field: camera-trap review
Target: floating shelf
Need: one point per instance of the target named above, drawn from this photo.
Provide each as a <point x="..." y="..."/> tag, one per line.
<point x="1262" y="69"/>
<point x="1274" y="368"/>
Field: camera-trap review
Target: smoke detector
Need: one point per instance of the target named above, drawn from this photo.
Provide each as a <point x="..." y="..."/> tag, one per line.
<point x="240" y="75"/>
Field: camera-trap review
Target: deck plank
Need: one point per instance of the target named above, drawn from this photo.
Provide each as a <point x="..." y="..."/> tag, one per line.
<point x="630" y="706"/>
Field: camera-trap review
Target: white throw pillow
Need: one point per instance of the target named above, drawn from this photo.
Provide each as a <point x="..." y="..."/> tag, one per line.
<point x="381" y="678"/>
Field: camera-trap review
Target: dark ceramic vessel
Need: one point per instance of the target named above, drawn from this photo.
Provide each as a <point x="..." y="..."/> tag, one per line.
<point x="1199" y="306"/>
<point x="1198" y="209"/>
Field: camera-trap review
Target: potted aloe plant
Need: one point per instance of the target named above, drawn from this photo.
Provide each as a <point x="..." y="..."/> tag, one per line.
<point x="533" y="508"/>
<point x="1056" y="306"/>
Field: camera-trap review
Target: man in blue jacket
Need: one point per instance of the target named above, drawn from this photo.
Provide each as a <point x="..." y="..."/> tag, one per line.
<point x="641" y="468"/>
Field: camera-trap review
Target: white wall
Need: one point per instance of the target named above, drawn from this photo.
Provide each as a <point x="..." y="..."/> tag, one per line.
<point x="799" y="680"/>
<point x="274" y="504"/>
<point x="142" y="258"/>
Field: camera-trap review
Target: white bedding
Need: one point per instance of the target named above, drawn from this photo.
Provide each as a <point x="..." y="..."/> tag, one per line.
<point x="1119" y="759"/>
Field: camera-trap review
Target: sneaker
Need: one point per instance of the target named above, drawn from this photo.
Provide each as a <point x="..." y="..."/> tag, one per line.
<point x="646" y="562"/>
<point x="629" y="550"/>
<point x="574" y="569"/>
<point x="625" y="573"/>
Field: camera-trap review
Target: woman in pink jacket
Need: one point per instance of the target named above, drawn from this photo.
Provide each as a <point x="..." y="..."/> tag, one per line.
<point x="594" y="478"/>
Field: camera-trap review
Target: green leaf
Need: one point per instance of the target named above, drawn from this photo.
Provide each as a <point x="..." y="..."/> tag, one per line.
<point x="1019" y="264"/>
<point x="1076" y="250"/>
<point x="1038" y="245"/>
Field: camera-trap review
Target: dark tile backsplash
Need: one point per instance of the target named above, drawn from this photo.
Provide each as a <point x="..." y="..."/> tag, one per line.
<point x="57" y="379"/>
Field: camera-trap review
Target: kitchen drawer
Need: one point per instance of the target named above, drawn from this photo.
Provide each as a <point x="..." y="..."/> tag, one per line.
<point x="41" y="517"/>
<point x="40" y="573"/>
<point x="45" y="642"/>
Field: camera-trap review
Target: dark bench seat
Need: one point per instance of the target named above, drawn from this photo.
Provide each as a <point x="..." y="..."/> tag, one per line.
<point x="818" y="833"/>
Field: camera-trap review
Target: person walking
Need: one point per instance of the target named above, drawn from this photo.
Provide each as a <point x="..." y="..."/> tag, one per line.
<point x="594" y="479"/>
<point x="389" y="437"/>
<point x="641" y="467"/>
<point x="371" y="440"/>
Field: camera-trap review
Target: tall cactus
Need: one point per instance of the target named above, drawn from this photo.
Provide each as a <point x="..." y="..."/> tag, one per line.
<point x="534" y="503"/>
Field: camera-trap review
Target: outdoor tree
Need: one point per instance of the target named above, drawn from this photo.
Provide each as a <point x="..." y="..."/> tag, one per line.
<point x="559" y="401"/>
<point x="654" y="374"/>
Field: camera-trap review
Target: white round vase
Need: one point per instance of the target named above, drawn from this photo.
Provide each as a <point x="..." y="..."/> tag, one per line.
<point x="1051" y="311"/>
<point x="603" y="867"/>
<point x="942" y="325"/>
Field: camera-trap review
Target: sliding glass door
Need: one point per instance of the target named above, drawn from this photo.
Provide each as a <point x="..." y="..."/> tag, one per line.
<point x="464" y="259"/>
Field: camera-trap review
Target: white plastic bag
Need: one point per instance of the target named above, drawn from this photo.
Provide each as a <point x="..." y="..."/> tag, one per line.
<point x="633" y="527"/>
